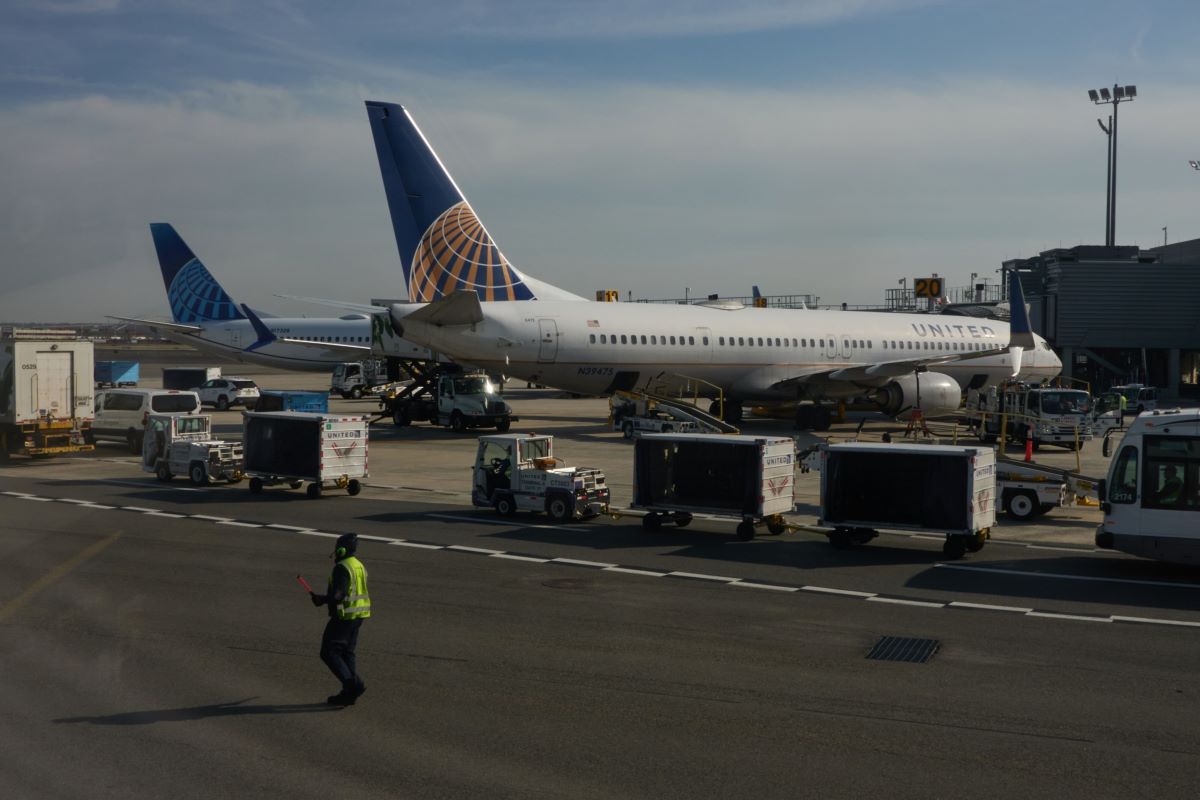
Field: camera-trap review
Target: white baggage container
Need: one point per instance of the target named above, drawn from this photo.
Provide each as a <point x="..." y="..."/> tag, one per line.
<point x="294" y="447"/>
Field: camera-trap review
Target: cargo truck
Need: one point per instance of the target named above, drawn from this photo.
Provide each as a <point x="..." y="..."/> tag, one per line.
<point x="295" y="448"/>
<point x="46" y="399"/>
<point x="930" y="488"/>
<point x="676" y="476"/>
<point x="111" y="374"/>
<point x="450" y="398"/>
<point x="188" y="378"/>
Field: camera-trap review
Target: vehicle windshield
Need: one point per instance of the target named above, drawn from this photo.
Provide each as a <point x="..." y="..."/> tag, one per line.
<point x="1071" y="401"/>
<point x="476" y="384"/>
<point x="535" y="448"/>
<point x="244" y="385"/>
<point x="192" y="425"/>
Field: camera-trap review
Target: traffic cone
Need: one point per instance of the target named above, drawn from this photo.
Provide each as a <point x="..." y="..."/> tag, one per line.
<point x="1029" y="444"/>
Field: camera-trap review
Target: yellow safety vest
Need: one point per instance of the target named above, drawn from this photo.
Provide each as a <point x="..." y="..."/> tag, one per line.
<point x="357" y="603"/>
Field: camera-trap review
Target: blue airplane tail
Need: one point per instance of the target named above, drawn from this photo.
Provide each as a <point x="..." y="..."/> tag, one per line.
<point x="192" y="291"/>
<point x="443" y="246"/>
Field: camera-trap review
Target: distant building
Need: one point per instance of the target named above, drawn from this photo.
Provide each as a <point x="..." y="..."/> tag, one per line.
<point x="1120" y="314"/>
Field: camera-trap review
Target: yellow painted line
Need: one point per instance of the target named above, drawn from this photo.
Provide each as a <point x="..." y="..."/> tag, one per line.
<point x="59" y="572"/>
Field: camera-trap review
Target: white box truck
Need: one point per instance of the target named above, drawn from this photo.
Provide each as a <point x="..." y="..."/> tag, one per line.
<point x="295" y="448"/>
<point x="917" y="487"/>
<point x="678" y="475"/>
<point x="46" y="399"/>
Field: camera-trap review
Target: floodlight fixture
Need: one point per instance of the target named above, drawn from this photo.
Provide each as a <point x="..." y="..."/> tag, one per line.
<point x="1131" y="91"/>
<point x="1104" y="93"/>
<point x="1119" y="92"/>
<point x="1095" y="98"/>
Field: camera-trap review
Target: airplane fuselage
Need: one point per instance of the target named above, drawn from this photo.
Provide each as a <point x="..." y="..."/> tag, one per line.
<point x="750" y="353"/>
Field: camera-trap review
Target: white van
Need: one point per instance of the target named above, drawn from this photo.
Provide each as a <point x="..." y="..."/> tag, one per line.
<point x="121" y="414"/>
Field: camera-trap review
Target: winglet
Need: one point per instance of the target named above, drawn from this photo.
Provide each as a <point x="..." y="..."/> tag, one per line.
<point x="1020" y="333"/>
<point x="265" y="336"/>
<point x="457" y="308"/>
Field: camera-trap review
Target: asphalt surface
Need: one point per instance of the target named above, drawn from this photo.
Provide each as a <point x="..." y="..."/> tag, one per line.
<point x="154" y="642"/>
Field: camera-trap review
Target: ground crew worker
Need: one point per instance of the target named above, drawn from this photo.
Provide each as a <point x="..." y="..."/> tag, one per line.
<point x="1124" y="404"/>
<point x="349" y="605"/>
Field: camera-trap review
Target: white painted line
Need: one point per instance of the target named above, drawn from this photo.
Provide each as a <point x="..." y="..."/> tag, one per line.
<point x="753" y="585"/>
<point x="367" y="538"/>
<point x="511" y="523"/>
<point x="167" y="514"/>
<point x="37" y="499"/>
<point x="211" y="517"/>
<point x="701" y="577"/>
<point x="147" y="483"/>
<point x="281" y="527"/>
<point x="902" y="602"/>
<point x="1153" y="621"/>
<point x="988" y="607"/>
<point x="73" y="500"/>
<point x="580" y="563"/>
<point x="418" y="545"/>
<point x="319" y="533"/>
<point x="831" y="590"/>
<point x="1077" y="617"/>
<point x="1057" y="549"/>
<point x="235" y="523"/>
<point x="99" y="506"/>
<point x="138" y="508"/>
<point x="1065" y="577"/>
<point x="17" y="494"/>
<point x="630" y="571"/>
<point x="515" y="557"/>
<point x="464" y="549"/>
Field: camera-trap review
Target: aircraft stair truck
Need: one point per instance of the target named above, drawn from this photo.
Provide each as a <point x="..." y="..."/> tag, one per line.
<point x="183" y="444"/>
<point x="634" y="414"/>
<point x="1151" y="498"/>
<point x="295" y="448"/>
<point x="913" y="487"/>
<point x="451" y="398"/>
<point x="46" y="399"/>
<point x="1055" y="415"/>
<point x="353" y="379"/>
<point x="518" y="472"/>
<point x="751" y="478"/>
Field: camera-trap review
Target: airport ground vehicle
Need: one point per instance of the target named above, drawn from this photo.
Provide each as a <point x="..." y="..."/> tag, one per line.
<point x="188" y="377"/>
<point x="519" y="472"/>
<point x="224" y="392"/>
<point x="1138" y="397"/>
<point x="183" y="444"/>
<point x="636" y="413"/>
<point x="46" y="404"/>
<point x="933" y="488"/>
<point x="451" y="398"/>
<point x="117" y="373"/>
<point x="121" y="414"/>
<point x="1048" y="415"/>
<point x="295" y="448"/>
<point x="292" y="400"/>
<point x="677" y="475"/>
<point x="1152" y="493"/>
<point x="353" y="379"/>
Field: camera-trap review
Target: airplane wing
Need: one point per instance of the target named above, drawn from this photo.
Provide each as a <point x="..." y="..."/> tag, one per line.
<point x="364" y="308"/>
<point x="879" y="373"/>
<point x="177" y="327"/>
<point x="330" y="347"/>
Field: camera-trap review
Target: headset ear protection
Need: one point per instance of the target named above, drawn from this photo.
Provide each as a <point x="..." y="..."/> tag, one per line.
<point x="339" y="553"/>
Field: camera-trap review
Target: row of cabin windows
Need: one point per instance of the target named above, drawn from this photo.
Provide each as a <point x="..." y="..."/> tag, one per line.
<point x="759" y="341"/>
<point x="346" y="339"/>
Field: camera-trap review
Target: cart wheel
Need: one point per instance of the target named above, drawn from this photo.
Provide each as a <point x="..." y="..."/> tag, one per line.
<point x="314" y="490"/>
<point x="745" y="531"/>
<point x="975" y="543"/>
<point x="682" y="520"/>
<point x="353" y="487"/>
<point x="198" y="474"/>
<point x="1022" y="505"/>
<point x="296" y="484"/>
<point x="163" y="473"/>
<point x="256" y="486"/>
<point x="560" y="509"/>
<point x="776" y="526"/>
<point x="505" y="506"/>
<point x="954" y="547"/>
<point x="652" y="522"/>
<point x="841" y="538"/>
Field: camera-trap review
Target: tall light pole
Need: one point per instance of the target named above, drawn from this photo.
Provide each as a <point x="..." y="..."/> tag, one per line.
<point x="1119" y="94"/>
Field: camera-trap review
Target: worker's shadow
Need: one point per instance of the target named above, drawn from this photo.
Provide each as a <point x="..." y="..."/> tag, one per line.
<point x="231" y="709"/>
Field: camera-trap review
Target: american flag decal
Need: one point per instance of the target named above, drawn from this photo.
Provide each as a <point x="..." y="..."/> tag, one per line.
<point x="593" y="323"/>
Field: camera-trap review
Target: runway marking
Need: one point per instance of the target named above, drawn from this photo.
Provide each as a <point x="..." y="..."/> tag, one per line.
<point x="99" y="506"/>
<point x="1066" y="577"/>
<point x="37" y="499"/>
<point x="62" y="569"/>
<point x="512" y="523"/>
<point x="57" y="573"/>
<point x="73" y="500"/>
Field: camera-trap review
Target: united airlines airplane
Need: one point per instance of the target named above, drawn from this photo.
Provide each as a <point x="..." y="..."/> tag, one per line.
<point x="204" y="316"/>
<point x="547" y="335"/>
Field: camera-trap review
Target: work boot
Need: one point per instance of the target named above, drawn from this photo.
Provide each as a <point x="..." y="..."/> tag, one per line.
<point x="341" y="699"/>
<point x="356" y="691"/>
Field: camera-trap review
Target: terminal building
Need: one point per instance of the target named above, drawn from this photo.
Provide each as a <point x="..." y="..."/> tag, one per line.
<point x="1119" y="314"/>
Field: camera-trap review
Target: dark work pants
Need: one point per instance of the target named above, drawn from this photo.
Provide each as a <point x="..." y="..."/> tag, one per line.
<point x="337" y="650"/>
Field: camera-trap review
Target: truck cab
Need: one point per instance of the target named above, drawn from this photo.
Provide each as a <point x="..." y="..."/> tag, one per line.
<point x="182" y="444"/>
<point x="1048" y="415"/>
<point x="470" y="400"/>
<point x="519" y="472"/>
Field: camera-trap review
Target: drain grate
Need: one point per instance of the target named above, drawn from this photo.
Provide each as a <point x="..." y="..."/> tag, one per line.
<point x="900" y="648"/>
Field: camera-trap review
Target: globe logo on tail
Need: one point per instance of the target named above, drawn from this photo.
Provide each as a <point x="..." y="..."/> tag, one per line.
<point x="456" y="253"/>
<point x="195" y="296"/>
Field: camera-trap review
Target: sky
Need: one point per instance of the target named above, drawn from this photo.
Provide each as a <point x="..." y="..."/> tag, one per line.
<point x="818" y="147"/>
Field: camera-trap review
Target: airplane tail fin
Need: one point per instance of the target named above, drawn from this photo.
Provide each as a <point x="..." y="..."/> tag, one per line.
<point x="443" y="246"/>
<point x="192" y="291"/>
<point x="264" y="334"/>
<point x="1020" y="332"/>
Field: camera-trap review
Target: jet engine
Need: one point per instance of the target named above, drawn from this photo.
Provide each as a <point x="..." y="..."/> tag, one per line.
<point x="939" y="394"/>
